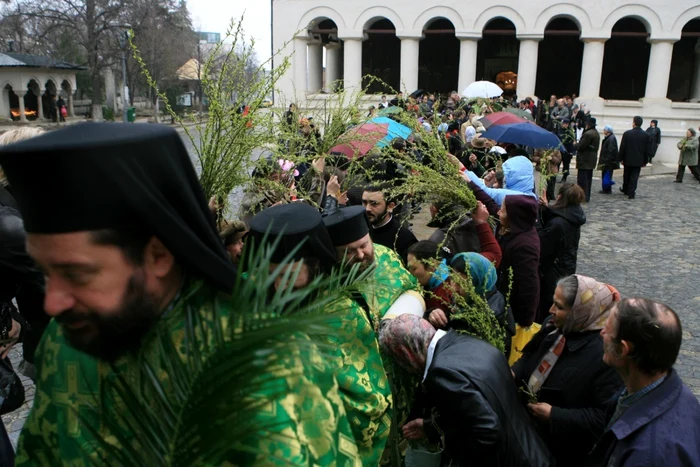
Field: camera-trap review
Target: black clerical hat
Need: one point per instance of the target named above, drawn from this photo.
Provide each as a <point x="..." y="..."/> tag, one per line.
<point x="93" y="176"/>
<point x="347" y="225"/>
<point x="291" y="225"/>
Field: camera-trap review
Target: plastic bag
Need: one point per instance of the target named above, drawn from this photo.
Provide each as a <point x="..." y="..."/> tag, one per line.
<point x="520" y="339"/>
<point x="418" y="455"/>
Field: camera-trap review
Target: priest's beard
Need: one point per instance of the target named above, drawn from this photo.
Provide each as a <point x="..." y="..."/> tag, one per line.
<point x="110" y="335"/>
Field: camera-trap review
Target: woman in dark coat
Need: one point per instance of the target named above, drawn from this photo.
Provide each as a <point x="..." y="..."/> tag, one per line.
<point x="655" y="134"/>
<point x="562" y="367"/>
<point x="520" y="246"/>
<point x="608" y="161"/>
<point x="559" y="231"/>
<point x="586" y="156"/>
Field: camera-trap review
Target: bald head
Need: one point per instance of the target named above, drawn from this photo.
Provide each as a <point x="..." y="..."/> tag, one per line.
<point x="654" y="331"/>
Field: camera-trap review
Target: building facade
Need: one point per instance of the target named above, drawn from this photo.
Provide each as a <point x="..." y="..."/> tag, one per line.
<point x="621" y="59"/>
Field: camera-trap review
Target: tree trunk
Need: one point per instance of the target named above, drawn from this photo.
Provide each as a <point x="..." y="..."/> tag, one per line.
<point x="93" y="60"/>
<point x="156" y="111"/>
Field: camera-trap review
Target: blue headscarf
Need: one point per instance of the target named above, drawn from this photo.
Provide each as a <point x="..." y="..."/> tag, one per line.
<point x="442" y="272"/>
<point x="481" y="271"/>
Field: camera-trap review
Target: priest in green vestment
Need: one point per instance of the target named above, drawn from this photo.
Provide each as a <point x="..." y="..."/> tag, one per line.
<point x="158" y="353"/>
<point x="364" y="388"/>
<point x="392" y="291"/>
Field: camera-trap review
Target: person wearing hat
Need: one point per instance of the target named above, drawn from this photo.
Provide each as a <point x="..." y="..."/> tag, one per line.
<point x="297" y="229"/>
<point x="131" y="256"/>
<point x="232" y="235"/>
<point x="349" y="231"/>
<point x="587" y="156"/>
<point x="392" y="292"/>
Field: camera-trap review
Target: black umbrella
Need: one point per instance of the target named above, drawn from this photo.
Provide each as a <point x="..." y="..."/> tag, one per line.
<point x="417" y="93"/>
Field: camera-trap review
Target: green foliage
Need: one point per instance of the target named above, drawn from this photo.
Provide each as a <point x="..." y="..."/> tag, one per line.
<point x="203" y="408"/>
<point x="107" y="114"/>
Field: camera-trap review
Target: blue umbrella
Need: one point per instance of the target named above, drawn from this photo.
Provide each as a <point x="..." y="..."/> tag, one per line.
<point x="527" y="134"/>
<point x="396" y="130"/>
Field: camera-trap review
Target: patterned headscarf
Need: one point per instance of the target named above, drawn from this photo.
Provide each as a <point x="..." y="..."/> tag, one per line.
<point x="405" y="340"/>
<point x="590" y="312"/>
<point x="481" y="271"/>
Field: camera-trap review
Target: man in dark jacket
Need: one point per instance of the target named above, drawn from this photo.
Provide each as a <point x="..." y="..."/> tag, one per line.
<point x="567" y="135"/>
<point x="656" y="419"/>
<point x="386" y="229"/>
<point x="520" y="245"/>
<point x="475" y="402"/>
<point x="635" y="148"/>
<point x="608" y="161"/>
<point x="586" y="156"/>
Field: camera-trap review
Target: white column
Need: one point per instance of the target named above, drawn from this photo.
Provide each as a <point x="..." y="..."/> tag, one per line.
<point x="40" y="105"/>
<point x="467" y="62"/>
<point x="410" y="47"/>
<point x="333" y="65"/>
<point x="591" y="69"/>
<point x="70" y="104"/>
<point x="315" y="64"/>
<point x="352" y="64"/>
<point x="527" y="67"/>
<point x="659" y="69"/>
<point x="299" y="64"/>
<point x="20" y="95"/>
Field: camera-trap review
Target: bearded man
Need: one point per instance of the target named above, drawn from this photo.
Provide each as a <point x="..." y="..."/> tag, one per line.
<point x="118" y="222"/>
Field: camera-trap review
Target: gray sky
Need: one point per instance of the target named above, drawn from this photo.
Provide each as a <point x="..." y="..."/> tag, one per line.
<point x="216" y="15"/>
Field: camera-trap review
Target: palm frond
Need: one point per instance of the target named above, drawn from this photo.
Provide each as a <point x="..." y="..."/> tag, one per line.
<point x="196" y="392"/>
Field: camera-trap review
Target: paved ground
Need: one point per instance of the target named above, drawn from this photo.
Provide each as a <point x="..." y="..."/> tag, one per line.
<point x="644" y="247"/>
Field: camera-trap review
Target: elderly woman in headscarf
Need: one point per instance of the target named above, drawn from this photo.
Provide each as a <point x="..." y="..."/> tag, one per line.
<point x="563" y="372"/>
<point x="608" y="160"/>
<point x="472" y="400"/>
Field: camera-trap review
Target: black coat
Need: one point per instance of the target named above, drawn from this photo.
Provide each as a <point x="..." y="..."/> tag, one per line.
<point x="578" y="388"/>
<point x="478" y="406"/>
<point x="635" y="148"/>
<point x="609" y="154"/>
<point x="394" y="236"/>
<point x="587" y="149"/>
<point x="560" y="232"/>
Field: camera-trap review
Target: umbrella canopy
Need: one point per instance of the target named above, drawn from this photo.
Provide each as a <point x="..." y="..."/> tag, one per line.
<point x="390" y="110"/>
<point x="500" y="118"/>
<point x="395" y="130"/>
<point x="484" y="89"/>
<point x="417" y="93"/>
<point x="359" y="140"/>
<point x="520" y="113"/>
<point x="527" y="134"/>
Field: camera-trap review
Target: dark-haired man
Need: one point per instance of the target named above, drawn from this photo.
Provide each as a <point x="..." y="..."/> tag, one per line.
<point x="656" y="419"/>
<point x="635" y="148"/>
<point x="386" y="229"/>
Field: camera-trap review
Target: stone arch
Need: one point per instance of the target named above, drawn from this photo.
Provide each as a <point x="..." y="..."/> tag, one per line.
<point x="685" y="17"/>
<point x="646" y="15"/>
<point x="564" y="10"/>
<point x="319" y="14"/>
<point x="28" y="80"/>
<point x="70" y="86"/>
<point x="503" y="12"/>
<point x="375" y="13"/>
<point x="438" y="12"/>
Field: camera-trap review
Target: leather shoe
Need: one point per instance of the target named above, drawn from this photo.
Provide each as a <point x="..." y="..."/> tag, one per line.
<point x="622" y="191"/>
<point x="678" y="181"/>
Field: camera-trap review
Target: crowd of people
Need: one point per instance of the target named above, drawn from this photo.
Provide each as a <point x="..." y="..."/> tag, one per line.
<point x="480" y="345"/>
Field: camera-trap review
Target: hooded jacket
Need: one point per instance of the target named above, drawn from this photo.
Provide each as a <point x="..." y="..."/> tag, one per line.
<point x="519" y="178"/>
<point x="521" y="251"/>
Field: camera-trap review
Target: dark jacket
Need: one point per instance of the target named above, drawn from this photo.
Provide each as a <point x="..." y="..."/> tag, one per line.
<point x="560" y="232"/>
<point x="578" y="388"/>
<point x="458" y="236"/>
<point x="394" y="236"/>
<point x="587" y="150"/>
<point x="609" y="154"/>
<point x="521" y="251"/>
<point x="478" y="406"/>
<point x="655" y="135"/>
<point x="663" y="428"/>
<point x="635" y="148"/>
